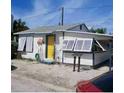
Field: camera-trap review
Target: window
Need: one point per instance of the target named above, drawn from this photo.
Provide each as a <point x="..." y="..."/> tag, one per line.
<point x="68" y="45"/>
<point x="25" y="42"/>
<point x="21" y="43"/>
<point x="87" y="45"/>
<point x="29" y="44"/>
<point x="78" y="45"/>
<point x="65" y="43"/>
<point x="83" y="45"/>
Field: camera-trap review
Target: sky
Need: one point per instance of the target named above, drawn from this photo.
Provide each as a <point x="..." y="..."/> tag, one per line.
<point x="94" y="13"/>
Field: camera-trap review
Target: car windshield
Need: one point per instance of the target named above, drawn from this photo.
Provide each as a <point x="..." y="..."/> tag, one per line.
<point x="104" y="82"/>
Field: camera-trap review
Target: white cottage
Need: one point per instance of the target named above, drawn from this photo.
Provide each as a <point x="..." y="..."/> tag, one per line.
<point x="61" y="43"/>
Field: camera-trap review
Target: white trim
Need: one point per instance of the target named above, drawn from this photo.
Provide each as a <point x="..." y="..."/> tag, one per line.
<point x="89" y="33"/>
<point x="69" y="31"/>
<point x="100" y="46"/>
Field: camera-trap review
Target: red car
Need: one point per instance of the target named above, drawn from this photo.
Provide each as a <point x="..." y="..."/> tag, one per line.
<point x="103" y="83"/>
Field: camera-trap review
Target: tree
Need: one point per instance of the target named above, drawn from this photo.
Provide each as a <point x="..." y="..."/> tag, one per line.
<point x="98" y="30"/>
<point x="19" y="25"/>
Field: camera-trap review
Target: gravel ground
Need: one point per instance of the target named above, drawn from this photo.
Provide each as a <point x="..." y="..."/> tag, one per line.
<point x="60" y="75"/>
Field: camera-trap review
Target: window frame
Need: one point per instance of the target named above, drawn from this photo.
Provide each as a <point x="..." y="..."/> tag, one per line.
<point x="63" y="44"/>
<point x="82" y="50"/>
<point x="90" y="49"/>
<point x="32" y="41"/>
<point x="76" y="44"/>
<point x="68" y="43"/>
<point x="19" y="42"/>
<point x="25" y="45"/>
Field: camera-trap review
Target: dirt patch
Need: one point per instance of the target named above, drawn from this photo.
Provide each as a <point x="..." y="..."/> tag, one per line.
<point x="57" y="74"/>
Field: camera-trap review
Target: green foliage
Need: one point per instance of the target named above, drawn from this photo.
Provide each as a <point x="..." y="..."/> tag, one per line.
<point x="98" y="30"/>
<point x="19" y="25"/>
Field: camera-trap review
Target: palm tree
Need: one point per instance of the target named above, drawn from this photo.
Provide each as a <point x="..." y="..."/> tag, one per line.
<point x="19" y="25"/>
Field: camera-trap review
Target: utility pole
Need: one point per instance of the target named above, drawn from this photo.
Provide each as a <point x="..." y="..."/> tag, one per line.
<point x="62" y="16"/>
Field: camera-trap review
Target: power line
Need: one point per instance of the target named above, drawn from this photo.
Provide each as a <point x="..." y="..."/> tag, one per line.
<point x="104" y="6"/>
<point x="43" y="14"/>
<point x="55" y="10"/>
<point x="61" y="10"/>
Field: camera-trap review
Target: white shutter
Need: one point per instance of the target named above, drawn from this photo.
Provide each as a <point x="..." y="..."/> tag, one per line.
<point x="83" y="45"/>
<point x="29" y="44"/>
<point x="68" y="45"/>
<point x="21" y="43"/>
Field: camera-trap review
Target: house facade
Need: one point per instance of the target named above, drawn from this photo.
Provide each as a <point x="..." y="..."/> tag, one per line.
<point x="61" y="43"/>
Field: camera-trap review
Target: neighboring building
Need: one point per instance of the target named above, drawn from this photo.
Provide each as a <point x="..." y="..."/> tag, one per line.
<point x="61" y="42"/>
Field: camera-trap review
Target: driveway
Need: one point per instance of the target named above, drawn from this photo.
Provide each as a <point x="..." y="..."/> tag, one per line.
<point x="30" y="76"/>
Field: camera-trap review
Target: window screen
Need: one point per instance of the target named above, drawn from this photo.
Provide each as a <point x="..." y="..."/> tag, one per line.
<point x="70" y="44"/>
<point x="65" y="43"/>
<point x="29" y="44"/>
<point x="79" y="45"/>
<point x="87" y="45"/>
<point x="21" y="43"/>
<point x="83" y="45"/>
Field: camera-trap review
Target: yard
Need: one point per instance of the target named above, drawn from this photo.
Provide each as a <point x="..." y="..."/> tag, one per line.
<point x="43" y="77"/>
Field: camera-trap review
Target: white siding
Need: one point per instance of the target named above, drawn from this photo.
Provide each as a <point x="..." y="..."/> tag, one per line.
<point x="35" y="47"/>
<point x="58" y="47"/>
<point x="86" y="59"/>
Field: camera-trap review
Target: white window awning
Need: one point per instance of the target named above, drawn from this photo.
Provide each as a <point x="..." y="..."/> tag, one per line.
<point x="25" y="42"/>
<point x="83" y="45"/>
<point x="29" y="44"/>
<point x="21" y="43"/>
<point x="68" y="45"/>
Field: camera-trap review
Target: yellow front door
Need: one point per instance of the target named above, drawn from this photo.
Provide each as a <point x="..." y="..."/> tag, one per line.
<point x="50" y="47"/>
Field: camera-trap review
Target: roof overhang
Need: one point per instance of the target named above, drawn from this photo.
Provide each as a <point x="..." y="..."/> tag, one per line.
<point x="68" y="31"/>
<point x="31" y="32"/>
<point x="88" y="33"/>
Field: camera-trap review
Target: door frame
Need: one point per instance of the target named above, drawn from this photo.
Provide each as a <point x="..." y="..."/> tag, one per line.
<point x="47" y="44"/>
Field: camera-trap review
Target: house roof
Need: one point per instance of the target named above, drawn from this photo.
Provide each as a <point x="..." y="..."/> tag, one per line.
<point x="50" y="29"/>
<point x="60" y="28"/>
<point x="89" y="33"/>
